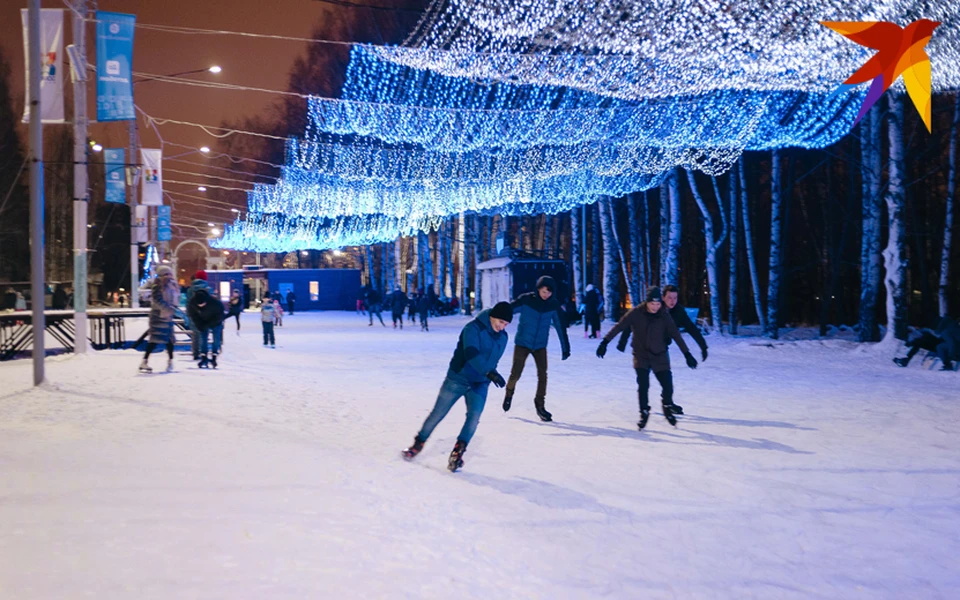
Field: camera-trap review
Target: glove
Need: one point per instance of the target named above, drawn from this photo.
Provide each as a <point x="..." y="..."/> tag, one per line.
<point x="703" y="354"/>
<point x="496" y="378"/>
<point x="602" y="349"/>
<point x="691" y="361"/>
<point x="565" y="356"/>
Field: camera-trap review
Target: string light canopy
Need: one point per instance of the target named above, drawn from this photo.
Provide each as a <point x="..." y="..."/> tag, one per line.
<point x="635" y="49"/>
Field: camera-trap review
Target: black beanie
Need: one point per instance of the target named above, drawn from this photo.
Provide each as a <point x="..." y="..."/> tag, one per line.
<point x="547" y="282"/>
<point x="653" y="295"/>
<point x="502" y="311"/>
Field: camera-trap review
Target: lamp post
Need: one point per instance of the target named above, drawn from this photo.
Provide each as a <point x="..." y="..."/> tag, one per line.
<point x="134" y="182"/>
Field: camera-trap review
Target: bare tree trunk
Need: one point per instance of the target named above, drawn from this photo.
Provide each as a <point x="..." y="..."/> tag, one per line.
<point x="611" y="276"/>
<point x="595" y="274"/>
<point x="664" y="230"/>
<point x="894" y="255"/>
<point x="637" y="283"/>
<point x="673" y="255"/>
<point x="612" y="209"/>
<point x="645" y="242"/>
<point x="711" y="244"/>
<point x="776" y="233"/>
<point x="548" y="235"/>
<point x="734" y="299"/>
<point x="575" y="253"/>
<point x="442" y="249"/>
<point x="951" y="197"/>
<point x="872" y="212"/>
<point x="751" y="257"/>
<point x="450" y="284"/>
<point x="368" y="251"/>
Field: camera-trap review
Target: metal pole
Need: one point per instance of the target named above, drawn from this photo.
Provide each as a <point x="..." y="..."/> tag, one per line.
<point x="37" y="282"/>
<point x="81" y="195"/>
<point x="134" y="247"/>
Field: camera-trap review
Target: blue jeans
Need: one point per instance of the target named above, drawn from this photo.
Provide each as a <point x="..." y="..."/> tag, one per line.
<point x="217" y="339"/>
<point x="268" y="333"/>
<point x="453" y="389"/>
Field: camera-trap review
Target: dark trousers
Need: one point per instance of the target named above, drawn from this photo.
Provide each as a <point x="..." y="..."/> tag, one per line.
<point x="593" y="322"/>
<point x="237" y="317"/>
<point x="268" y="333"/>
<point x="927" y="341"/>
<point x="375" y="310"/>
<point x="643" y="386"/>
<point x="423" y="320"/>
<point x="290" y="304"/>
<point x="520" y="355"/>
<point x="151" y="346"/>
<point x="398" y="317"/>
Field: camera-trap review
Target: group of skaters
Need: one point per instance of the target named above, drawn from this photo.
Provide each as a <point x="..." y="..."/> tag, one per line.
<point x="421" y="304"/>
<point x="653" y="325"/>
<point x="206" y="313"/>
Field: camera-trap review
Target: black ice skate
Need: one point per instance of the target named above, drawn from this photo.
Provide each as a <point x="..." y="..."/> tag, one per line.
<point x="456" y="461"/>
<point x="213" y="361"/>
<point x="507" y="401"/>
<point x="542" y="412"/>
<point x="668" y="415"/>
<point x="204" y="363"/>
<point x="644" y="416"/>
<point x="675" y="408"/>
<point x="411" y="452"/>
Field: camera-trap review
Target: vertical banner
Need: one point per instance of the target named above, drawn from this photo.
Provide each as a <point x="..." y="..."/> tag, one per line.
<point x="115" y="66"/>
<point x="151" y="181"/>
<point x="51" y="65"/>
<point x="114" y="165"/>
<point x="140" y="229"/>
<point x="163" y="224"/>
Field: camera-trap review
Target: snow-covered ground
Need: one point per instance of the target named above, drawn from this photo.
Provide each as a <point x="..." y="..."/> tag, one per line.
<point x="803" y="469"/>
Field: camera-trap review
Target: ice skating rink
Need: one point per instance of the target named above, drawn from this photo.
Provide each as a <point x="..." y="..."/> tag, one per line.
<point x="803" y="469"/>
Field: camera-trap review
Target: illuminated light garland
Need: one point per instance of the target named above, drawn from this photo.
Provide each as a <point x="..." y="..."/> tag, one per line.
<point x="307" y="194"/>
<point x="653" y="48"/>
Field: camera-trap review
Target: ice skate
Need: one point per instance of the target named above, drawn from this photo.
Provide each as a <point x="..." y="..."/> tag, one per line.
<point x="170" y="366"/>
<point x="644" y="417"/>
<point x="411" y="452"/>
<point x="456" y="461"/>
<point x="668" y="415"/>
<point x="144" y="367"/>
<point x="542" y="412"/>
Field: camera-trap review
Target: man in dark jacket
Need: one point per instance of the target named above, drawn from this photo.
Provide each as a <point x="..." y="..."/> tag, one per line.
<point x="199" y="283"/>
<point x="671" y="298"/>
<point x="539" y="311"/>
<point x="206" y="314"/>
<point x="424" y="304"/>
<point x="592" y="303"/>
<point x="373" y="305"/>
<point x="651" y="326"/>
<point x="291" y="300"/>
<point x="472" y="369"/>
<point x="949" y="349"/>
<point x="398" y="302"/>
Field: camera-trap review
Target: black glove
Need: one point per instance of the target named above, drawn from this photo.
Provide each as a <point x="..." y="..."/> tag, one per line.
<point x="602" y="349"/>
<point x="566" y="355"/>
<point x="496" y="378"/>
<point x="691" y="361"/>
<point x="703" y="353"/>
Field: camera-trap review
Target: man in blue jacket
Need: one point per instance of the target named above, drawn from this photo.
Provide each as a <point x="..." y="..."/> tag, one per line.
<point x="472" y="369"/>
<point x="539" y="311"/>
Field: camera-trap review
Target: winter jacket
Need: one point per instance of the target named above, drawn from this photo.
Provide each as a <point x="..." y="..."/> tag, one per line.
<point x="268" y="312"/>
<point x="196" y="284"/>
<point x="423" y="305"/>
<point x="650" y="337"/>
<point x="205" y="311"/>
<point x="682" y="320"/>
<point x="236" y="305"/>
<point x="478" y="350"/>
<point x="949" y="331"/>
<point x="592" y="303"/>
<point x="163" y="305"/>
<point x="372" y="297"/>
<point x="291" y="298"/>
<point x="398" y="301"/>
<point x="536" y="317"/>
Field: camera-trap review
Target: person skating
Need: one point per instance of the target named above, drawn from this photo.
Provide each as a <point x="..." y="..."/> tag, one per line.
<point x="163" y="302"/>
<point x="206" y="313"/>
<point x="944" y="341"/>
<point x="671" y="299"/>
<point x="592" y="304"/>
<point x="373" y="306"/>
<point x="267" y="317"/>
<point x="424" y="304"/>
<point x="539" y="311"/>
<point x="398" y="302"/>
<point x="236" y="307"/>
<point x="412" y="308"/>
<point x="651" y="326"/>
<point x="291" y="301"/>
<point x="277" y="311"/>
<point x="361" y="298"/>
<point x="199" y="283"/>
<point x="472" y="369"/>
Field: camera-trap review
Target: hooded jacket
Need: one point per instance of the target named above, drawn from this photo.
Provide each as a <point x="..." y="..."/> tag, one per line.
<point x="205" y="311"/>
<point x="478" y="350"/>
<point x="949" y="331"/>
<point x="651" y="333"/>
<point x="536" y="317"/>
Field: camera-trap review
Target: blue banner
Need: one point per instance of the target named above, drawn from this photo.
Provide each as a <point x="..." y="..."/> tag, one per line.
<point x="163" y="224"/>
<point x="113" y="163"/>
<point x="115" y="66"/>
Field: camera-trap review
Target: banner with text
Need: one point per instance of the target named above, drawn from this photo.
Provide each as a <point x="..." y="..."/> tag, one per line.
<point x="163" y="224"/>
<point x="51" y="65"/>
<point x="151" y="178"/>
<point x="140" y="224"/>
<point x="115" y="66"/>
<point x="114" y="164"/>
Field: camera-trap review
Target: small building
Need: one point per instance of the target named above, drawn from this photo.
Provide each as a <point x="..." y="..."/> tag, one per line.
<point x="315" y="289"/>
<point x="506" y="277"/>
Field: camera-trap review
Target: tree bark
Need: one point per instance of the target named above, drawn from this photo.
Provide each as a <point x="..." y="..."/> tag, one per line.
<point x="711" y="244"/>
<point x="872" y="212"/>
<point x="894" y="259"/>
<point x="776" y="233"/>
<point x="664" y="244"/>
<point x="575" y="253"/>
<point x="673" y="255"/>
<point x="611" y="275"/>
<point x="951" y="198"/>
<point x="596" y="248"/>
<point x="637" y="283"/>
<point x="368" y="252"/>
<point x="611" y="207"/>
<point x="751" y="257"/>
<point x="645" y="242"/>
<point x="734" y="299"/>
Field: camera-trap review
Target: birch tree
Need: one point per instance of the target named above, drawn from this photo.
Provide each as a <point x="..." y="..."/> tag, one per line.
<point x="712" y="244"/>
<point x="751" y="257"/>
<point x="894" y="254"/>
<point x="673" y="254"/>
<point x="951" y="198"/>
<point x="871" y="164"/>
<point x="595" y="247"/>
<point x="664" y="230"/>
<point x="637" y="282"/>
<point x="575" y="253"/>
<point x="631" y="290"/>
<point x="734" y="299"/>
<point x="772" y="328"/>
<point x="611" y="276"/>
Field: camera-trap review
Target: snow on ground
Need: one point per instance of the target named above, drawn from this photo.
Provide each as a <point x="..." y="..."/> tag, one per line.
<point x="803" y="469"/>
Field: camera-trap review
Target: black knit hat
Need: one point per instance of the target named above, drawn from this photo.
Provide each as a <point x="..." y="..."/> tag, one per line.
<point x="653" y="295"/>
<point x="502" y="311"/>
<point x="547" y="282"/>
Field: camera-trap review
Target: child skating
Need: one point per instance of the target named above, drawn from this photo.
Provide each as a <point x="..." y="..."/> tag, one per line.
<point x="472" y="369"/>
